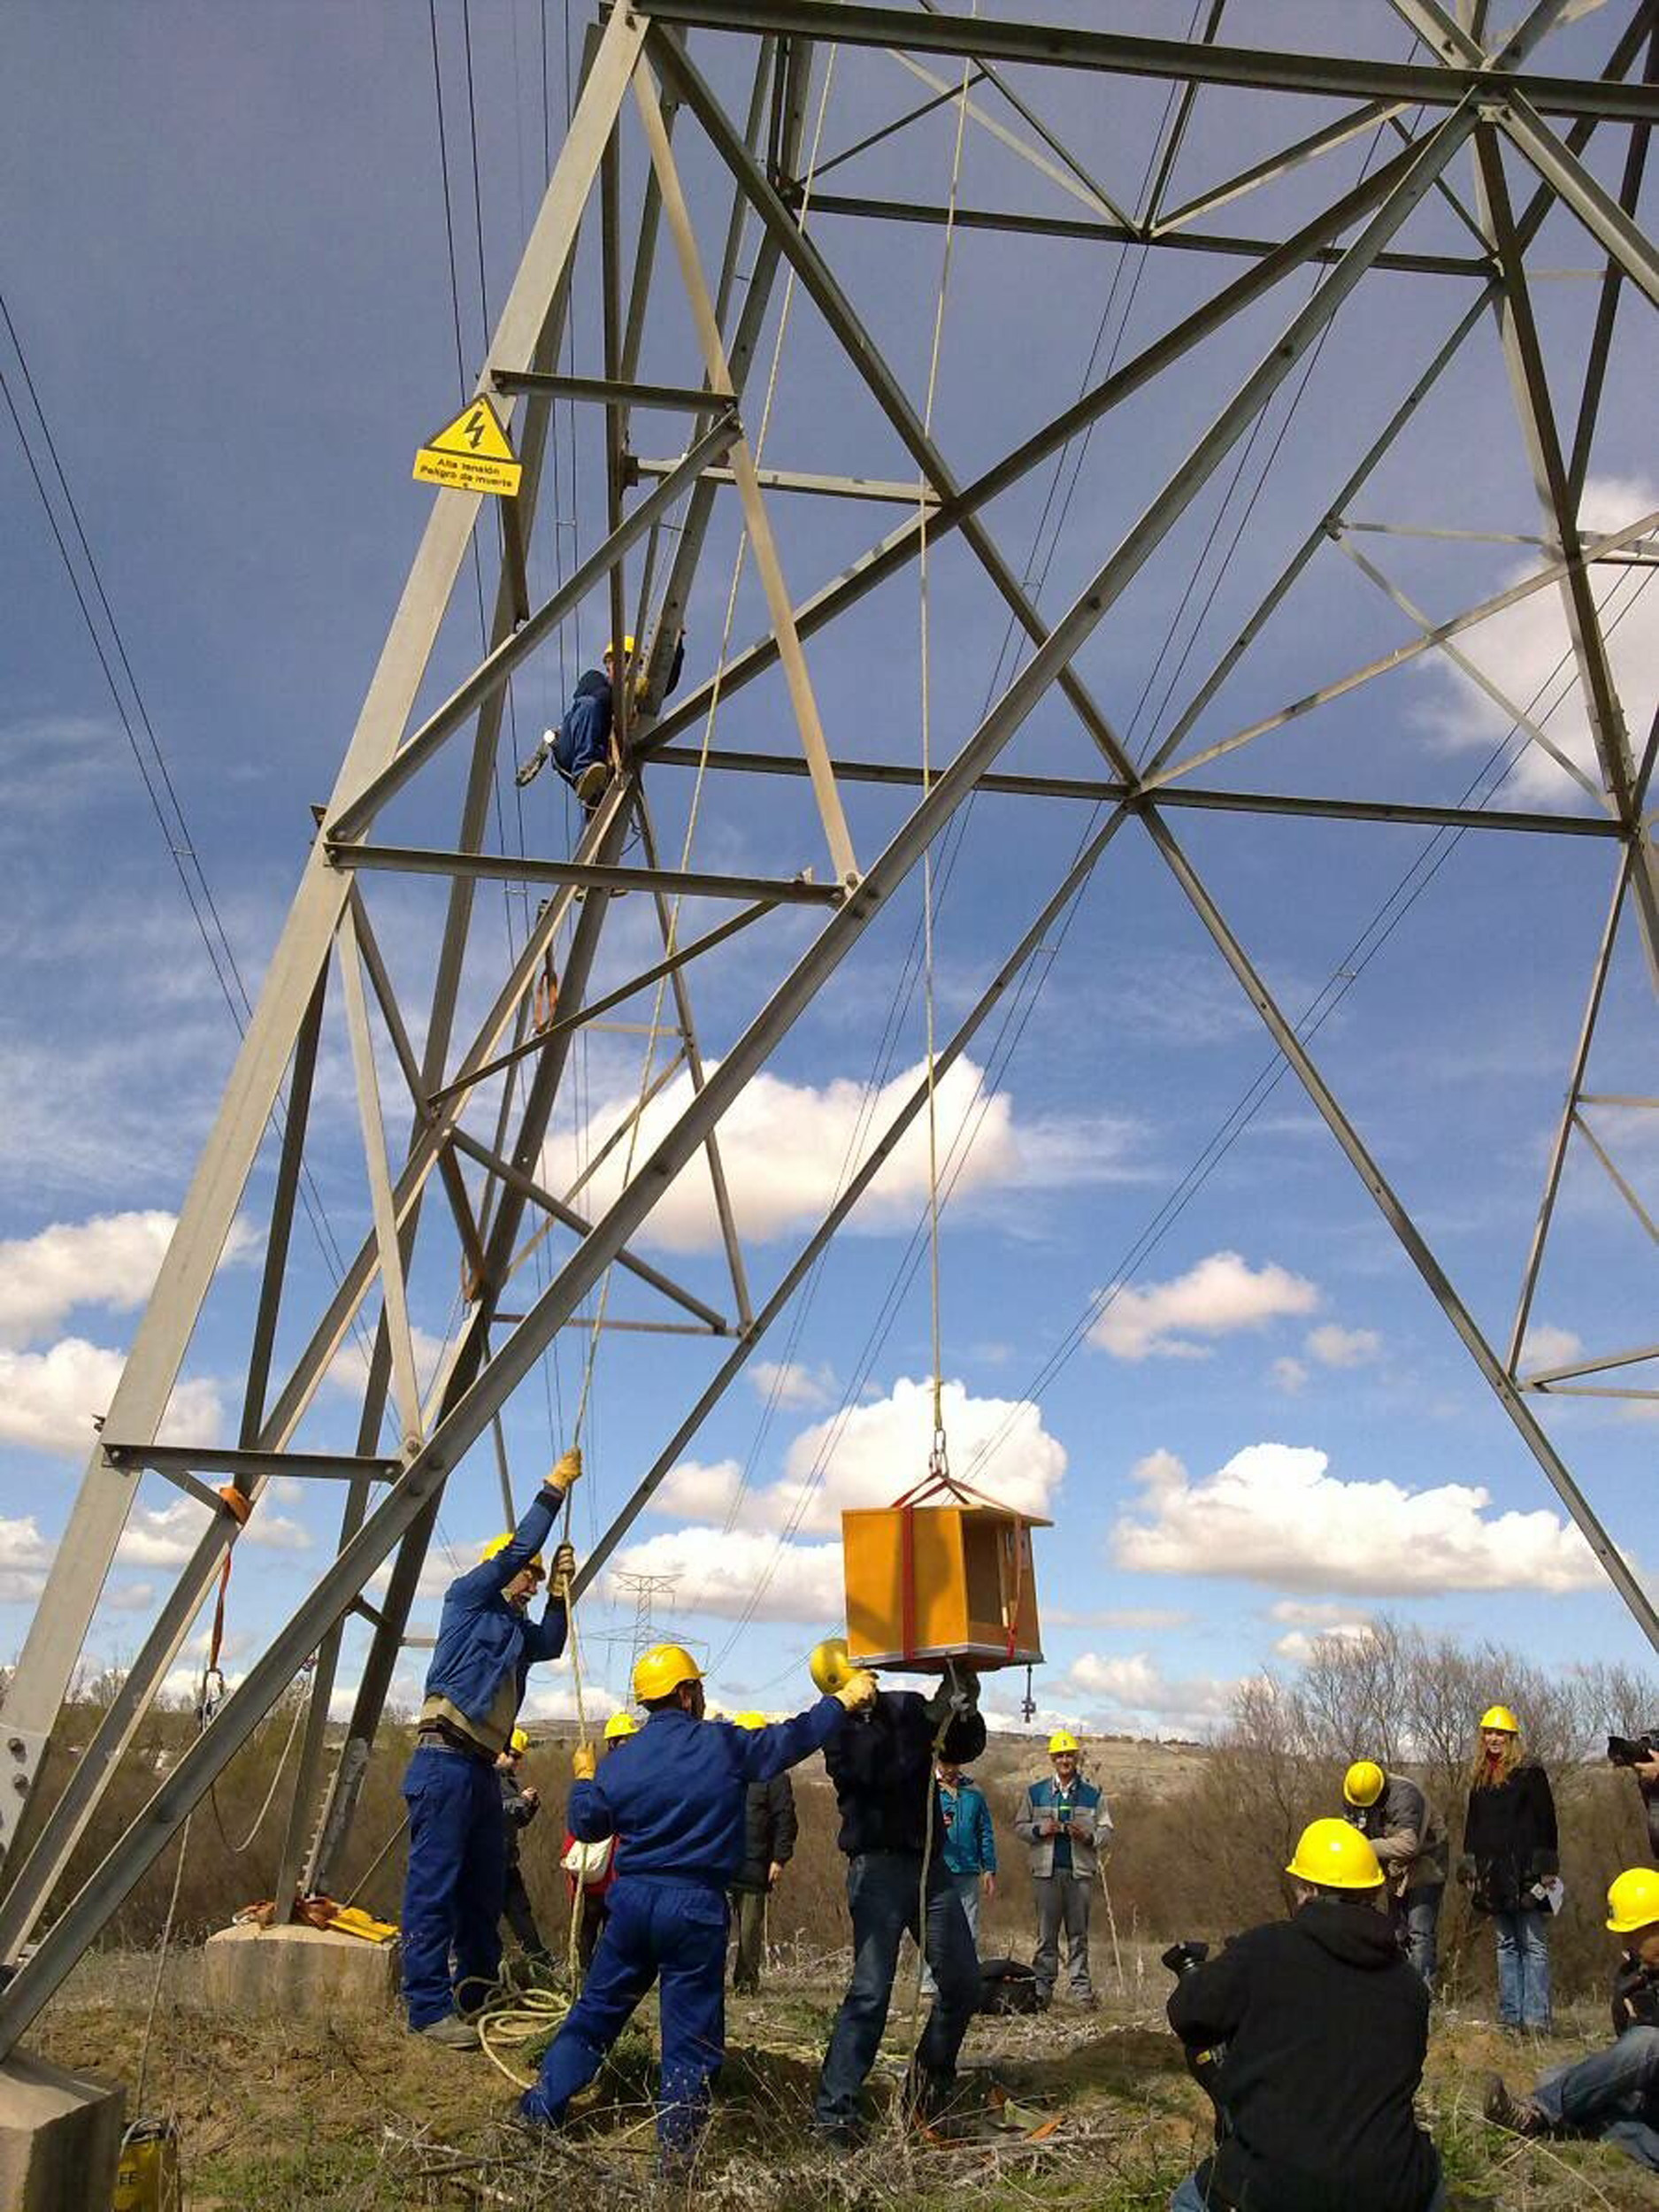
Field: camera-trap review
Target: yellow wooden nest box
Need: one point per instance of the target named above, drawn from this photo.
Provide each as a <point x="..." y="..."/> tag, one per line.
<point x="930" y="1583"/>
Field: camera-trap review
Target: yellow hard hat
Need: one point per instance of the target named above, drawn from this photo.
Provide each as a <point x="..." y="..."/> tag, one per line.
<point x="620" y="1724"/>
<point x="1332" y="1855"/>
<point x="627" y="650"/>
<point x="750" y="1720"/>
<point x="1501" y="1717"/>
<point x="498" y="1544"/>
<point x="1062" y="1740"/>
<point x="1362" y="1784"/>
<point x="829" y="1665"/>
<point x="518" y="1741"/>
<point x="659" y="1671"/>
<point x="1633" y="1901"/>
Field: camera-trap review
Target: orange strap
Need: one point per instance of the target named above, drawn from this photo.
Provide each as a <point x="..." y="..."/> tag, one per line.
<point x="238" y="1505"/>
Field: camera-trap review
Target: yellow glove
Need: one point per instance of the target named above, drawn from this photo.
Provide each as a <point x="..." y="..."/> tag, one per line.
<point x="857" y="1691"/>
<point x="584" y="1759"/>
<point x="564" y="1567"/>
<point x="567" y="1472"/>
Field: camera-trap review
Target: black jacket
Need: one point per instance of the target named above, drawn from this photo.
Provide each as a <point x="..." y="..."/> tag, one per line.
<point x="1326" y="2026"/>
<point x="1509" y="1832"/>
<point x="882" y="1767"/>
<point x="1635" y="1994"/>
<point x="595" y="685"/>
<point x="769" y="1830"/>
<point x="517" y="1811"/>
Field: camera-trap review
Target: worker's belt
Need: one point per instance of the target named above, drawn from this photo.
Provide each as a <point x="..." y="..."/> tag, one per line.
<point x="437" y="1735"/>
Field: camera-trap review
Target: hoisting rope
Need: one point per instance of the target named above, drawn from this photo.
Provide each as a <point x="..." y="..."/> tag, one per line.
<point x="938" y="1458"/>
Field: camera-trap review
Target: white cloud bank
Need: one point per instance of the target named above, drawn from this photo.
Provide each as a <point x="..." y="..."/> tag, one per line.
<point x="47" y="1399"/>
<point x="788" y="1148"/>
<point x="1274" y="1514"/>
<point x="1521" y="650"/>
<point x="866" y="1457"/>
<point x="1218" y="1297"/>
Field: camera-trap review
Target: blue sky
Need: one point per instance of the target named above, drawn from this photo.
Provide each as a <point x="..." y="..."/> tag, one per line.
<point x="234" y="294"/>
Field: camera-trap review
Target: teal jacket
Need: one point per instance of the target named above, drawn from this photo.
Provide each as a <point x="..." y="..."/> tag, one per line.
<point x="970" y="1839"/>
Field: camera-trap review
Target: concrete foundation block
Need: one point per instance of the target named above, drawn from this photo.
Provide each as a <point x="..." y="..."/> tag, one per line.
<point x="298" y="1973"/>
<point x="60" y="2137"/>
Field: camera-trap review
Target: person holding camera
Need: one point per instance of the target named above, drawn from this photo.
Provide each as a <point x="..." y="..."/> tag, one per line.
<point x="1510" y="1866"/>
<point x="1310" y="2034"/>
<point x="1409" y="1839"/>
<point x="1613" y="2095"/>
<point x="1063" y="1821"/>
<point x="1641" y="1755"/>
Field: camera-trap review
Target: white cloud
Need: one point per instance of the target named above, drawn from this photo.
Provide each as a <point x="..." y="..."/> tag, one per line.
<point x="48" y="1398"/>
<point x="790" y="1384"/>
<point x="719" y="1572"/>
<point x="1299" y="1645"/>
<point x="1220" y="1295"/>
<point x="1290" y="1375"/>
<point x="1546" y="1346"/>
<point x="167" y="1535"/>
<point x="1136" y="1687"/>
<point x="24" y="1555"/>
<point x="1334" y="1346"/>
<point x="695" y="1492"/>
<point x="1522" y="648"/>
<point x="127" y="1597"/>
<point x="1125" y="1617"/>
<point x="788" y="1148"/>
<point x="1306" y="1613"/>
<point x="1274" y="1514"/>
<point x="109" y="1261"/>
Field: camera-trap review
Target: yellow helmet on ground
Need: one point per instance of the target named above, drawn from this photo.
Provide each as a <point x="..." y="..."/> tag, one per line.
<point x="620" y="1724"/>
<point x="829" y="1665"/>
<point x="1501" y="1717"/>
<point x="1364" y="1783"/>
<point x="1633" y="1901"/>
<point x="518" y="1741"/>
<point x="498" y="1544"/>
<point x="1331" y="1855"/>
<point x="1062" y="1740"/>
<point x="659" y="1671"/>
<point x="750" y="1720"/>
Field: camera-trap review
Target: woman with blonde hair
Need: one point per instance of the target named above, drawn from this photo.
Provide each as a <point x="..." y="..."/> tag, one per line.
<point x="1510" y="1865"/>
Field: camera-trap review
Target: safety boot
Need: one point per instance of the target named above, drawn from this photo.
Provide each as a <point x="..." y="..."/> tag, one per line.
<point x="1511" y="2113"/>
<point x="450" y="2034"/>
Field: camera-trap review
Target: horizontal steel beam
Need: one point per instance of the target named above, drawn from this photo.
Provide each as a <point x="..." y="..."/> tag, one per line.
<point x="417" y="860"/>
<point x="1596" y="1366"/>
<point x="1104" y="791"/>
<point x="1060" y="46"/>
<point x="872" y="487"/>
<point x="678" y="398"/>
<point x="231" y="1460"/>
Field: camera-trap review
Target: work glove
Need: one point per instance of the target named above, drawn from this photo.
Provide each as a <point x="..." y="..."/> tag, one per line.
<point x="529" y="770"/>
<point x="858" y="1692"/>
<point x="564" y="1567"/>
<point x="584" y="1761"/>
<point x="567" y="1472"/>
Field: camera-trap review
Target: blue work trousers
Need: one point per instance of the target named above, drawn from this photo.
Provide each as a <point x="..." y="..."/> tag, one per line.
<point x="883" y="1895"/>
<point x="1613" y="2096"/>
<point x="456" y="1881"/>
<point x="583" y="736"/>
<point x="1522" y="1969"/>
<point x="671" y="1931"/>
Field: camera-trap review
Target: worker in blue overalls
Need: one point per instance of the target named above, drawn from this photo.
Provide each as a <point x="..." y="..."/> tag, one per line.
<point x="456" y="1881"/>
<point x="674" y="1796"/>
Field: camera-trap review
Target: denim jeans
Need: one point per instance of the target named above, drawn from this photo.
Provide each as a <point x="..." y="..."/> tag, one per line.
<point x="883" y="1894"/>
<point x="1420" y="1914"/>
<point x="967" y="1887"/>
<point x="583" y="736"/>
<point x="1522" y="1969"/>
<point x="1189" y="2196"/>
<point x="1613" y="2096"/>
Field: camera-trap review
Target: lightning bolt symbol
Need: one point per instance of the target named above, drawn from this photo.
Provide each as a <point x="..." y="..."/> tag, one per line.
<point x="475" y="427"/>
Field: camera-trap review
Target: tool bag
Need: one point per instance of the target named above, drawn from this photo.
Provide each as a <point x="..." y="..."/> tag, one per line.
<point x="1009" y="1986"/>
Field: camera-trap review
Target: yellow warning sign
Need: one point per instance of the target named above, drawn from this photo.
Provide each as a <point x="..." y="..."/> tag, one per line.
<point x="469" y="454"/>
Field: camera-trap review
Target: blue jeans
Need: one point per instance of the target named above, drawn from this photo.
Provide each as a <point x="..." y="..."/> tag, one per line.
<point x="1522" y="1969"/>
<point x="1613" y="2096"/>
<point x="967" y="1887"/>
<point x="674" y="1930"/>
<point x="1189" y="2196"/>
<point x="583" y="736"/>
<point x="456" y="1885"/>
<point x="1420" y="1914"/>
<point x="883" y="1894"/>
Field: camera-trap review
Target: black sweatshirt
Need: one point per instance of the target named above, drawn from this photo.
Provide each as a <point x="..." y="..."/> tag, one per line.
<point x="1326" y="2026"/>
<point x="882" y="1768"/>
<point x="770" y="1828"/>
<point x="1509" y="1832"/>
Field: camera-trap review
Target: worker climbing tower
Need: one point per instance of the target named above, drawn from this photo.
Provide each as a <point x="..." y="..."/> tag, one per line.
<point x="458" y="1057"/>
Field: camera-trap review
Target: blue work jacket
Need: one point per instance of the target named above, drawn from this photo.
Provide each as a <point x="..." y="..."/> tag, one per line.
<point x="481" y="1636"/>
<point x="970" y="1839"/>
<point x="674" y="1794"/>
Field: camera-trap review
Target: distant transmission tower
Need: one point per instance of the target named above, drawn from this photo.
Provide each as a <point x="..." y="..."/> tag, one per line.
<point x="648" y="1592"/>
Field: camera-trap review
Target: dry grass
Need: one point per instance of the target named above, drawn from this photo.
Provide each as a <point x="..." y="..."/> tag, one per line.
<point x="355" y="2117"/>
